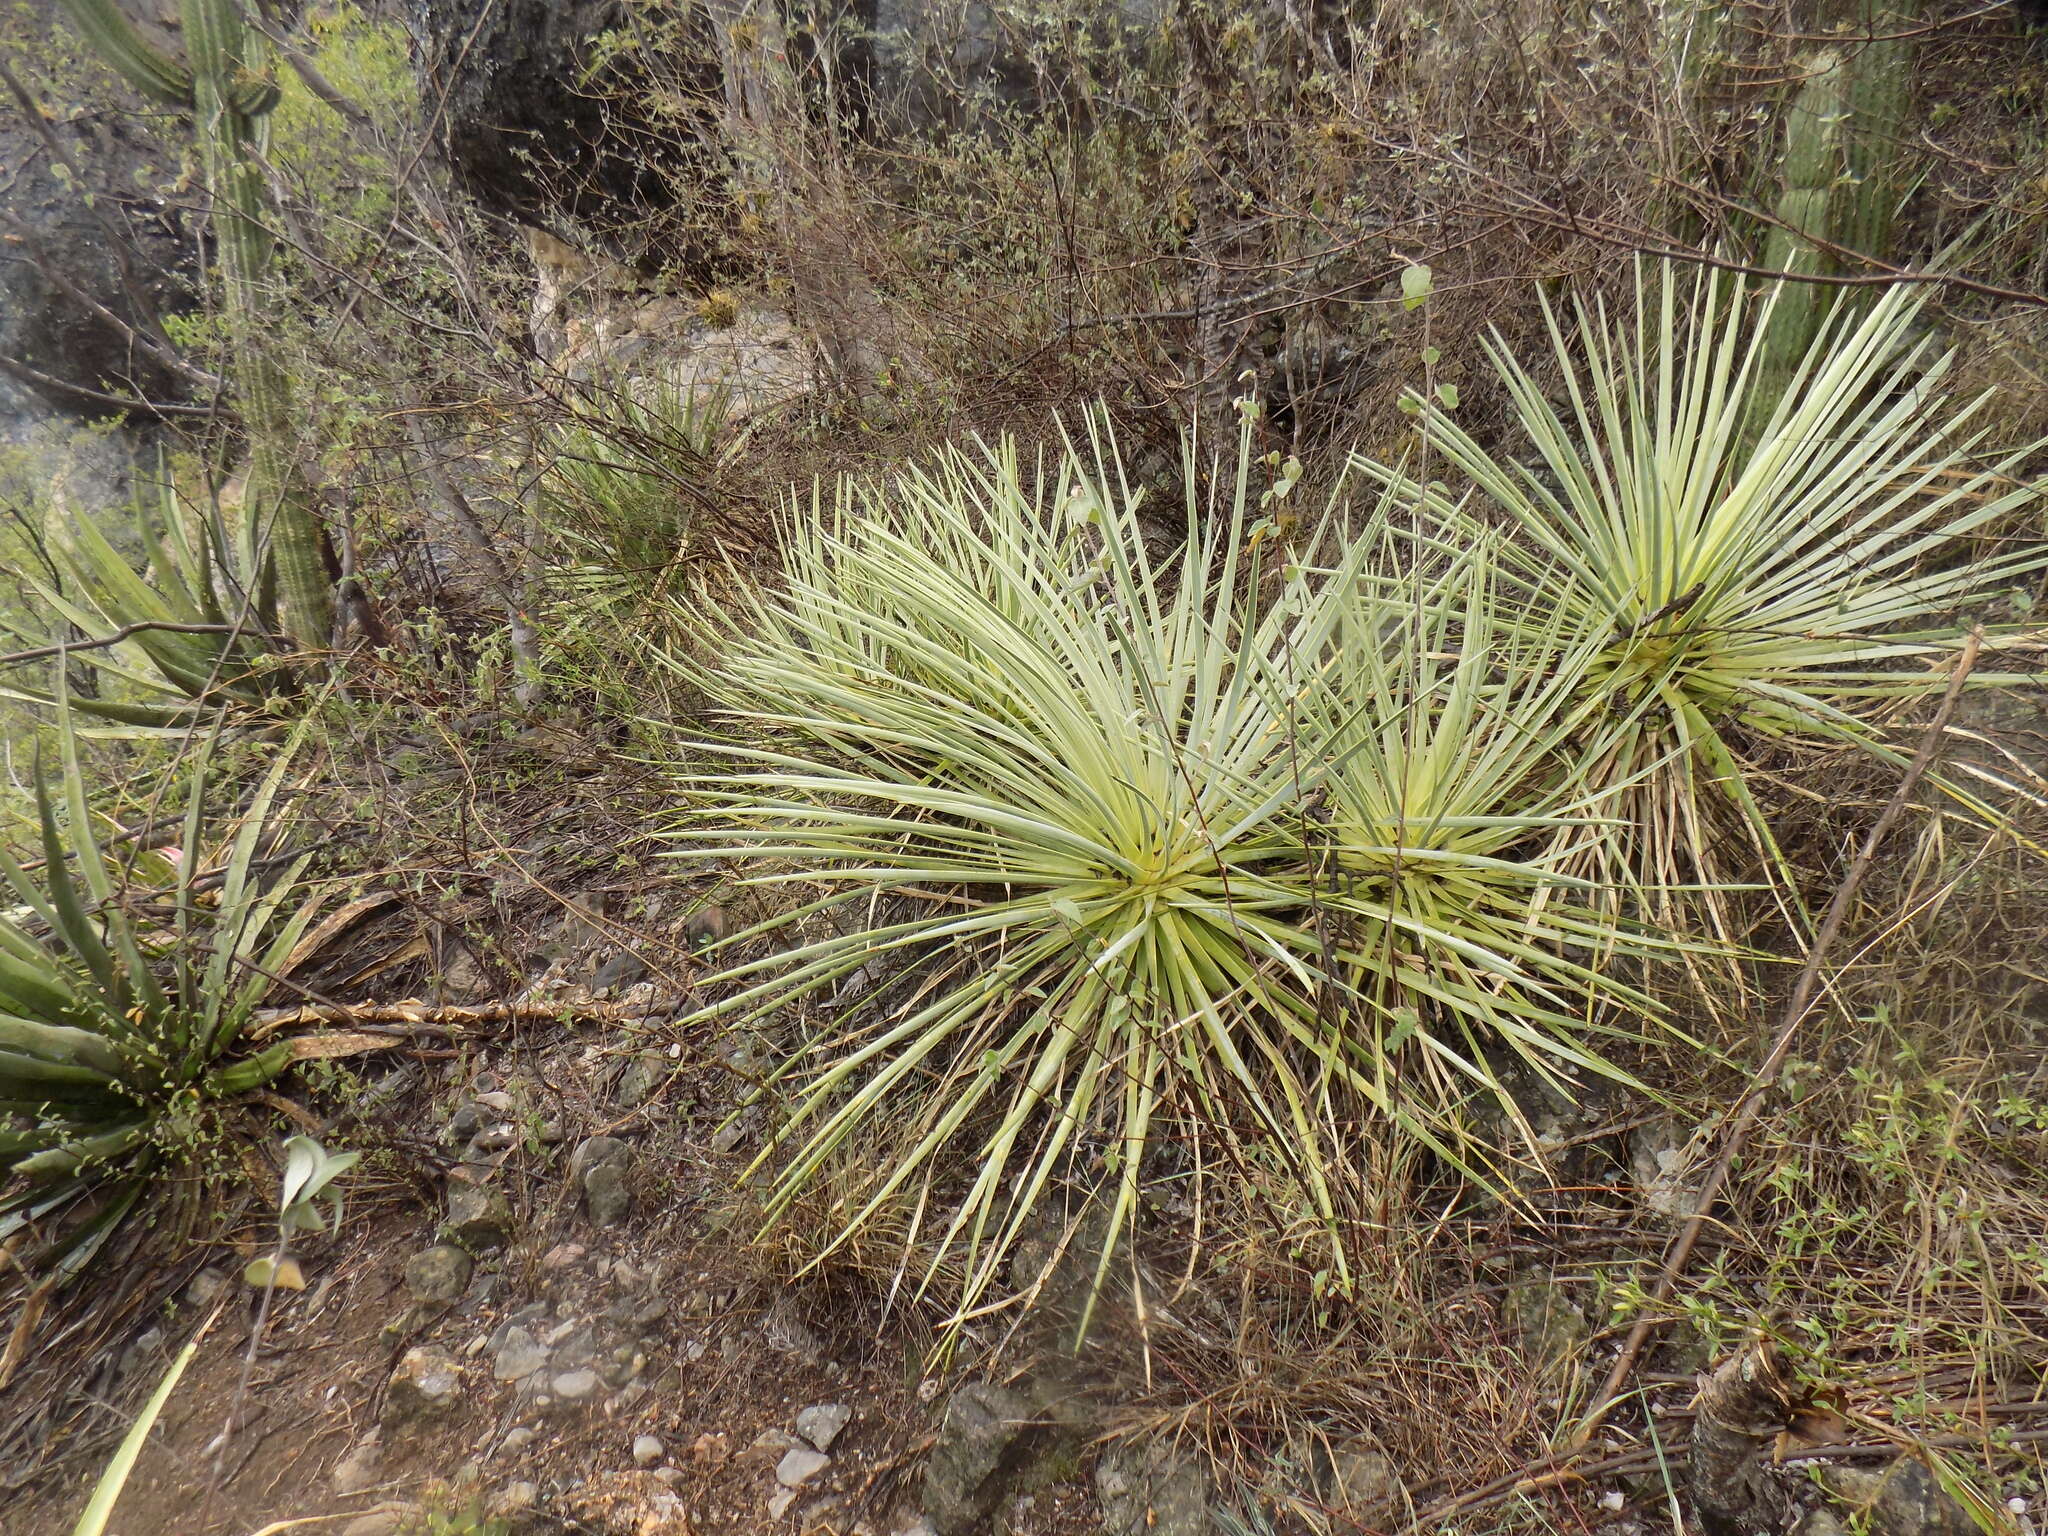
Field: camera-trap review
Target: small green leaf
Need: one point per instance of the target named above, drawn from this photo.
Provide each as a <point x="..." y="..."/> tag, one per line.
<point x="1417" y="283"/>
<point x="1448" y="393"/>
<point x="285" y="1275"/>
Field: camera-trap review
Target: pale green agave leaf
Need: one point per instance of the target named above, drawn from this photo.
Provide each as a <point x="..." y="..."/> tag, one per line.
<point x="1084" y="815"/>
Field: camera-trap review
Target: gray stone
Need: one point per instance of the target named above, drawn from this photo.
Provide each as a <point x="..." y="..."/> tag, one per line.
<point x="1552" y="1328"/>
<point x="385" y="1520"/>
<point x="644" y="1073"/>
<point x="647" y="1450"/>
<point x="800" y="1465"/>
<point x="1362" y="1478"/>
<point x="58" y="249"/>
<point x="821" y="1423"/>
<point x="519" y="1355"/>
<point x="517" y="1440"/>
<point x="1904" y="1499"/>
<point x="479" y="1217"/>
<point x="205" y="1288"/>
<point x="573" y="1346"/>
<point x="606" y="1195"/>
<point x="1152" y="1494"/>
<point x="438" y="1276"/>
<point x="562" y="1256"/>
<point x="357" y="1470"/>
<point x="988" y="1433"/>
<point x="493" y="1138"/>
<point x="427" y="1383"/>
<point x="515" y="1498"/>
<point x="1666" y="1164"/>
<point x="575" y="1386"/>
<point x="595" y="1152"/>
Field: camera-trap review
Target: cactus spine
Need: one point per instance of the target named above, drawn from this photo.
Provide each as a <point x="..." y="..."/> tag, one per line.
<point x="230" y="103"/>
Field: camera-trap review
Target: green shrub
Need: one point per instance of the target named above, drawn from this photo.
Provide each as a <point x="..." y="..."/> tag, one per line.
<point x="630" y="470"/>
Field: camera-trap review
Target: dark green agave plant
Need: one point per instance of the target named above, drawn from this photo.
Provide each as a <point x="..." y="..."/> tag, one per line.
<point x="116" y="1027"/>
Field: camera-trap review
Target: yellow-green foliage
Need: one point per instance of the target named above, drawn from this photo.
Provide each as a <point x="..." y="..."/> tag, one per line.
<point x="332" y="165"/>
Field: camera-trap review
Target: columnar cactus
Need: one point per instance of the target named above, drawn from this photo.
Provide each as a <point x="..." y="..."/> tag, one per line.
<point x="230" y="101"/>
<point x="1843" y="173"/>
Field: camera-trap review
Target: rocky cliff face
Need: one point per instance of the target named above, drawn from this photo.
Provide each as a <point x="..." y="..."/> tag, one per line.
<point x="542" y="113"/>
<point x="93" y="248"/>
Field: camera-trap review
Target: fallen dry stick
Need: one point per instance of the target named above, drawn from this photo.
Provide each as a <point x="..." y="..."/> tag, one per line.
<point x="410" y="1013"/>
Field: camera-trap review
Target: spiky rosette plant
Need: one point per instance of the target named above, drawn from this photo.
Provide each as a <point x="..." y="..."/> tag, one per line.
<point x="1103" y="840"/>
<point x="1795" y="582"/>
<point x="189" y="634"/>
<point x="116" y="1028"/>
<point x="1448" y="746"/>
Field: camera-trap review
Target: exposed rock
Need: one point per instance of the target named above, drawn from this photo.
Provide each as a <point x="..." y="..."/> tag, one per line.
<point x="988" y="1433"/>
<point x="427" y="1383"/>
<point x="799" y="1465"/>
<point x="562" y="1256"/>
<point x="519" y="1355"/>
<point x="357" y="1470"/>
<point x="594" y="1152"/>
<point x="1666" y="1164"/>
<point x="68" y="238"/>
<point x="1549" y="1323"/>
<point x="622" y="969"/>
<point x="533" y="131"/>
<point x="643" y="1074"/>
<point x="517" y="1440"/>
<point x="438" y="1276"/>
<point x="204" y="1289"/>
<point x="575" y="1386"/>
<point x="821" y="1423"/>
<point x="779" y="1505"/>
<point x="479" y="1217"/>
<point x="1904" y="1499"/>
<point x="1152" y="1494"/>
<point x="573" y="1345"/>
<point x="647" y="1450"/>
<point x="1363" y="1479"/>
<point x="515" y="1498"/>
<point x="1820" y="1522"/>
<point x="607" y="1198"/>
<point x="385" y="1520"/>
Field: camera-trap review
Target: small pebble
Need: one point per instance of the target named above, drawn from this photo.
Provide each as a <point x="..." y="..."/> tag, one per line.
<point x="821" y="1423"/>
<point x="516" y="1497"/>
<point x="799" y="1466"/>
<point x="646" y="1450"/>
<point x="574" y="1386"/>
<point x="517" y="1439"/>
